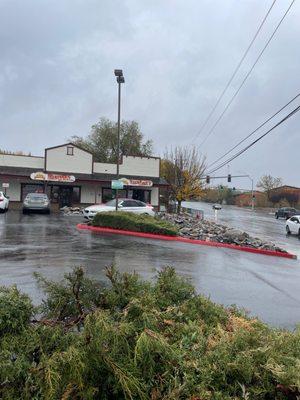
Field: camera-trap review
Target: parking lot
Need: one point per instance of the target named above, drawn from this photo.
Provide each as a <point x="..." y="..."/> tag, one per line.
<point x="51" y="244"/>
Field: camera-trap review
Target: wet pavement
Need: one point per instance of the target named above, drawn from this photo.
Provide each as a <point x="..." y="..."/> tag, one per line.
<point x="257" y="223"/>
<point x="266" y="286"/>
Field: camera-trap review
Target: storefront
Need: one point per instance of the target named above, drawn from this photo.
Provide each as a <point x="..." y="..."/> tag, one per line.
<point x="58" y="194"/>
<point x="70" y="177"/>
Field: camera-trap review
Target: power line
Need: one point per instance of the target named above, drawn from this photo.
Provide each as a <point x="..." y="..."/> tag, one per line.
<point x="247" y="75"/>
<point x="255" y="130"/>
<point x="255" y="141"/>
<point x="235" y="71"/>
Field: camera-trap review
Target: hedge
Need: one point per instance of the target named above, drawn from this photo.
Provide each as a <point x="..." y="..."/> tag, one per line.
<point x="134" y="222"/>
<point x="133" y="340"/>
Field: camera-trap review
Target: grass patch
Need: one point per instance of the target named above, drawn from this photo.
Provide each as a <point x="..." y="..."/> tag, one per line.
<point x="138" y="340"/>
<point x="134" y="222"/>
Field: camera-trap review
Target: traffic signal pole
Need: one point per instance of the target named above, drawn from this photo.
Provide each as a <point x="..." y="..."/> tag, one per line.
<point x="228" y="177"/>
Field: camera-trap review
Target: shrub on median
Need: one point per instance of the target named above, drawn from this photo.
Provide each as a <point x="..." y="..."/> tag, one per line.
<point x="141" y="340"/>
<point x="134" y="222"/>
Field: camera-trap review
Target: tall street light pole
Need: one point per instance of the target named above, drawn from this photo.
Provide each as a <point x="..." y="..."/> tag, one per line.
<point x="120" y="79"/>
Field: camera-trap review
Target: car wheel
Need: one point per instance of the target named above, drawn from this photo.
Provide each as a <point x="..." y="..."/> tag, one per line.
<point x="286" y="217"/>
<point x="288" y="230"/>
<point x="2" y="210"/>
<point x="25" y="211"/>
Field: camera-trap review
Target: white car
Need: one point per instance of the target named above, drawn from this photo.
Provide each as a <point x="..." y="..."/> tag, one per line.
<point x="4" y="202"/>
<point x="128" y="205"/>
<point x="293" y="225"/>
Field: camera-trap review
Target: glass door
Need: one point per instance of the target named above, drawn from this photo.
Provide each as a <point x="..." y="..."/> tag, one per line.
<point x="65" y="196"/>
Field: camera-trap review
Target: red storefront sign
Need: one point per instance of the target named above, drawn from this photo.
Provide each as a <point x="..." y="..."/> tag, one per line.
<point x="41" y="176"/>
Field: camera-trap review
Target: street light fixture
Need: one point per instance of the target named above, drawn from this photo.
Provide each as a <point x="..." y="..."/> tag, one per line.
<point x="120" y="79"/>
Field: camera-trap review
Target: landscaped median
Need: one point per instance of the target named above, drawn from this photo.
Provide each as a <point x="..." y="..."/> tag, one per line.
<point x="162" y="229"/>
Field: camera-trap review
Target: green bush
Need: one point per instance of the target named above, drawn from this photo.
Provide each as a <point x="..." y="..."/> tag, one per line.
<point x="139" y="340"/>
<point x="15" y="310"/>
<point x="134" y="222"/>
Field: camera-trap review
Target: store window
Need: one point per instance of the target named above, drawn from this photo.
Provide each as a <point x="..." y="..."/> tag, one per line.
<point x="76" y="195"/>
<point x="65" y="195"/>
<point x="109" y="194"/>
<point x="142" y="195"/>
<point x="27" y="188"/>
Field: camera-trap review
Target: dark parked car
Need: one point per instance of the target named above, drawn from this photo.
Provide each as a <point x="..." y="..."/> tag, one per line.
<point x="286" y="212"/>
<point x="36" y="202"/>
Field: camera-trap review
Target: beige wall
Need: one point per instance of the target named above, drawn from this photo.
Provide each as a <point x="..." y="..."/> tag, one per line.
<point x="57" y="160"/>
<point x="104" y="168"/>
<point x="10" y="160"/>
<point x="155" y="196"/>
<point x="136" y="166"/>
<point x="140" y="166"/>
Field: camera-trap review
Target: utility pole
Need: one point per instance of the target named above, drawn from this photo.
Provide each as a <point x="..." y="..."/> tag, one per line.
<point x="120" y="79"/>
<point x="252" y="194"/>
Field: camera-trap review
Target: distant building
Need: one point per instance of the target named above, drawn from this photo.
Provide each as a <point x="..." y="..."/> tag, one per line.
<point x="245" y="199"/>
<point x="71" y="177"/>
<point x="289" y="193"/>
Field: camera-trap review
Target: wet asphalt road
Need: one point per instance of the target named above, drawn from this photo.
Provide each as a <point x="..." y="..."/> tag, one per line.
<point x="266" y="286"/>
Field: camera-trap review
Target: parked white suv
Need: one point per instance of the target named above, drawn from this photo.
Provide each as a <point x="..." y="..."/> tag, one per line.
<point x="293" y="225"/>
<point x="4" y="202"/>
<point x="128" y="205"/>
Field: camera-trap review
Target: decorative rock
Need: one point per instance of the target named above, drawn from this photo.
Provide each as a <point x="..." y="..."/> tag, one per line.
<point x="210" y="231"/>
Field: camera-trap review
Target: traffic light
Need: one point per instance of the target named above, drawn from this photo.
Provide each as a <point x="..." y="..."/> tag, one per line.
<point x="208" y="179"/>
<point x="229" y="178"/>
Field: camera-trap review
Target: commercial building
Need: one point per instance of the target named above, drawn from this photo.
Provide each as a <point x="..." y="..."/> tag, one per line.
<point x="71" y="177"/>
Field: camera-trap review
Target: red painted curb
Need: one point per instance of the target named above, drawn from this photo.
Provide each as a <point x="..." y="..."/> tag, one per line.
<point x="99" y="229"/>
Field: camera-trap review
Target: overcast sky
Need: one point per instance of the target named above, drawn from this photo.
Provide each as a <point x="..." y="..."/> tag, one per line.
<point x="56" y="74"/>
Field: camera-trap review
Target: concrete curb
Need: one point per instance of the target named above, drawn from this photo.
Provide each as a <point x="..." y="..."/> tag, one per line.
<point x="99" y="229"/>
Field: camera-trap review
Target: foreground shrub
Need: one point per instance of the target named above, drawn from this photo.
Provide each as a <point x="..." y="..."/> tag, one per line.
<point x="134" y="222"/>
<point x="141" y="340"/>
<point x="15" y="310"/>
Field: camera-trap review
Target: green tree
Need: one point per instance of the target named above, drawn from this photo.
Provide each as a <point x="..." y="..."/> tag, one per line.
<point x="182" y="168"/>
<point x="102" y="141"/>
<point x="267" y="183"/>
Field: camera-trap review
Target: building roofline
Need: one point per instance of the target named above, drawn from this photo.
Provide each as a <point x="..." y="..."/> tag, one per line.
<point x="285" y="186"/>
<point x="68" y="144"/>
<point x="20" y="155"/>
<point x="132" y="155"/>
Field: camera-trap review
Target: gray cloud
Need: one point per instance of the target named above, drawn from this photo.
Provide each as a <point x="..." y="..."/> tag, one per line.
<point x="57" y="61"/>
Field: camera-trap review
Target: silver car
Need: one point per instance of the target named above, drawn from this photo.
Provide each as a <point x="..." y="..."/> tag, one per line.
<point x="36" y="202"/>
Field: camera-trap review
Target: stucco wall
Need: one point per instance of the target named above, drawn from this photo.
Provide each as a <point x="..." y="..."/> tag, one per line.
<point x="104" y="168"/>
<point x="139" y="166"/>
<point x="155" y="196"/>
<point x="57" y="160"/>
<point x="10" y="160"/>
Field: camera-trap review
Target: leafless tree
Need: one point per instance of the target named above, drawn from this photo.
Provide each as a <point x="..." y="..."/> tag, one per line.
<point x="182" y="168"/>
